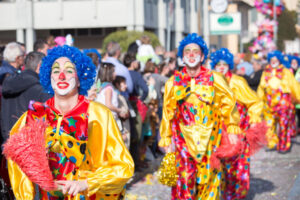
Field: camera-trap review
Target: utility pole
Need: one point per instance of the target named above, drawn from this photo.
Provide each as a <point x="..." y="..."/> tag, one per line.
<point x="205" y="22"/>
<point x="275" y="20"/>
<point x="170" y="10"/>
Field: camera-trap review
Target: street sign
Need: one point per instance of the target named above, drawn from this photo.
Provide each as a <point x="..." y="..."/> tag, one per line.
<point x="219" y="6"/>
<point x="225" y="23"/>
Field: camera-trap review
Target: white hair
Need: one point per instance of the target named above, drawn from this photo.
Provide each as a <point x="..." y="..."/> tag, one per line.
<point x="12" y="51"/>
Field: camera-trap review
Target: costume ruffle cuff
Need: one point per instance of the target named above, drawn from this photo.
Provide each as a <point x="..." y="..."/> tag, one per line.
<point x="164" y="142"/>
<point x="233" y="129"/>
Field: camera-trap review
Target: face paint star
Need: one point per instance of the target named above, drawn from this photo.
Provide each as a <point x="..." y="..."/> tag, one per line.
<point x="72" y="122"/>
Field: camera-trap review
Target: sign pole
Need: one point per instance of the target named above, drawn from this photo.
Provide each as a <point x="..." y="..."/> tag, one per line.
<point x="275" y="24"/>
<point x="205" y="22"/>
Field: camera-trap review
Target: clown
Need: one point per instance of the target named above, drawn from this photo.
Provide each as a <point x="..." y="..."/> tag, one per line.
<point x="237" y="173"/>
<point x="86" y="154"/>
<point x="294" y="63"/>
<point x="192" y="121"/>
<point x="278" y="89"/>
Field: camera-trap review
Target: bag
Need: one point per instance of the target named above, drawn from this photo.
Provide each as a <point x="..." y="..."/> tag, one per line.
<point x="142" y="109"/>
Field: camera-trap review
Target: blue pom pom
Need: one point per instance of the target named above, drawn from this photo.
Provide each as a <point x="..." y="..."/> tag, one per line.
<point x="85" y="68"/>
<point x="86" y="51"/>
<point x="222" y="54"/>
<point x="193" y="38"/>
<point x="276" y="54"/>
<point x="291" y="57"/>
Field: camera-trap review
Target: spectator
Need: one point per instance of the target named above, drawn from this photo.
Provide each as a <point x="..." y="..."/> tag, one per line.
<point x="50" y="41"/>
<point x="41" y="46"/>
<point x="149" y="70"/>
<point x="254" y="79"/>
<point x="120" y="85"/>
<point x="133" y="47"/>
<point x="108" y="94"/>
<point x="18" y="90"/>
<point x="138" y="106"/>
<point x="95" y="56"/>
<point x="160" y="51"/>
<point x="13" y="59"/>
<point x="146" y="52"/>
<point x="171" y="65"/>
<point x="160" y="80"/>
<point x="244" y="68"/>
<point x="1" y="54"/>
<point x="23" y="47"/>
<point x="138" y="82"/>
<point x="114" y="51"/>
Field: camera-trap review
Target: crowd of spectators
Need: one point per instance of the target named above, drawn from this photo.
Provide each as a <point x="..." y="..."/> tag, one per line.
<point x="130" y="84"/>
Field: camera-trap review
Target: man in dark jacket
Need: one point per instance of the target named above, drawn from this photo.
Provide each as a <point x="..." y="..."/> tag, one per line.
<point x="18" y="90"/>
<point x="254" y="79"/>
<point x="13" y="59"/>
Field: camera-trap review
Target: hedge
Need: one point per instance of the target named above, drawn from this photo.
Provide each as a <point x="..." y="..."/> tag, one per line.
<point x="125" y="38"/>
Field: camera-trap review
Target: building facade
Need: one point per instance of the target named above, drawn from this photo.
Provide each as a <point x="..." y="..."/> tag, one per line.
<point x="89" y="21"/>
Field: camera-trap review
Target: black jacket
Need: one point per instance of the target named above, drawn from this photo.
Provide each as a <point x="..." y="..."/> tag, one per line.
<point x="17" y="91"/>
<point x="254" y="79"/>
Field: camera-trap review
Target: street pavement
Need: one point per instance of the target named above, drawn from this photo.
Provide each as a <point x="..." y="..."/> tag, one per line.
<point x="274" y="176"/>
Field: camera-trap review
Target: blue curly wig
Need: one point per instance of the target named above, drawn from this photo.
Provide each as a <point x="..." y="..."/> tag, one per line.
<point x="291" y="57"/>
<point x="193" y="38"/>
<point x="85" y="68"/>
<point x="286" y="62"/>
<point x="87" y="51"/>
<point x="276" y="53"/>
<point x="222" y="54"/>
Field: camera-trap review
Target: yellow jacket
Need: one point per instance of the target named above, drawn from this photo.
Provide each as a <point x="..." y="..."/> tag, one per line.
<point x="111" y="164"/>
<point x="247" y="97"/>
<point x="223" y="104"/>
<point x="288" y="84"/>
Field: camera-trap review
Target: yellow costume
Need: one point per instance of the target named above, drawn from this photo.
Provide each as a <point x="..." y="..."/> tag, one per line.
<point x="278" y="88"/>
<point x="247" y="97"/>
<point x="237" y="172"/>
<point x="193" y="115"/>
<point x="101" y="157"/>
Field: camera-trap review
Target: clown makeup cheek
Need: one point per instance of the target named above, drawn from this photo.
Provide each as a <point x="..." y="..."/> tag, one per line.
<point x="63" y="87"/>
<point x="274" y="65"/>
<point x="222" y="67"/>
<point x="192" y="62"/>
<point x="222" y="70"/>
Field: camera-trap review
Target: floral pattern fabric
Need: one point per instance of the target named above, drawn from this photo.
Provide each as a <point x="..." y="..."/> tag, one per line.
<point x="237" y="169"/>
<point x="197" y="180"/>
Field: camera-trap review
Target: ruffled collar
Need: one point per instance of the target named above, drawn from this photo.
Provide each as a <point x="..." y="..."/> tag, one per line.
<point x="278" y="72"/>
<point x="205" y="77"/>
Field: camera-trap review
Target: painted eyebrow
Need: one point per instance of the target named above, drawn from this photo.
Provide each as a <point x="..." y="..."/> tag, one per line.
<point x="55" y="67"/>
<point x="69" y="65"/>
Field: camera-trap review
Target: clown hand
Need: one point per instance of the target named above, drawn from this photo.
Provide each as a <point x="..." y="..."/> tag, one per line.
<point x="72" y="187"/>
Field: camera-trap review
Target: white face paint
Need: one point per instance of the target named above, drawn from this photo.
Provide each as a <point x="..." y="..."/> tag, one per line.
<point x="294" y="64"/>
<point x="274" y="65"/>
<point x="63" y="87"/>
<point x="192" y="62"/>
<point x="274" y="62"/>
<point x="64" y="78"/>
<point x="222" y="67"/>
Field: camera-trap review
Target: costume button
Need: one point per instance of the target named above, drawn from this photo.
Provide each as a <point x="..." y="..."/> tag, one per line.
<point x="70" y="144"/>
<point x="82" y="148"/>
